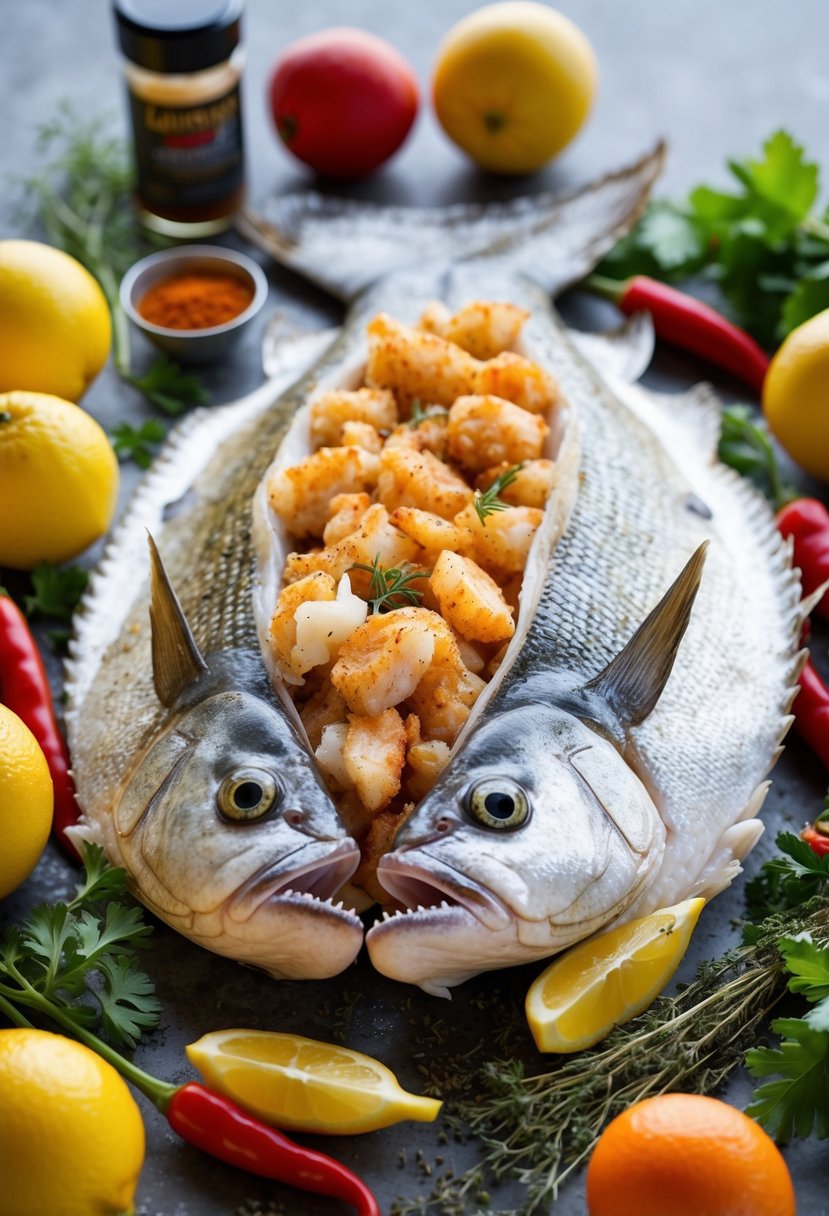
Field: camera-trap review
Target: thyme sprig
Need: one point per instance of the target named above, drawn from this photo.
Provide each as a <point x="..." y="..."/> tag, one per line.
<point x="488" y="502"/>
<point x="389" y="586"/>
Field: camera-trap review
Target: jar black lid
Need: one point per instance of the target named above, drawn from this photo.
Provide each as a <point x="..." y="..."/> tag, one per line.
<point x="177" y="35"/>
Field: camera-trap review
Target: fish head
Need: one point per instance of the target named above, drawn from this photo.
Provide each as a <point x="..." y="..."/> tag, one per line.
<point x="539" y="834"/>
<point x="229" y="835"/>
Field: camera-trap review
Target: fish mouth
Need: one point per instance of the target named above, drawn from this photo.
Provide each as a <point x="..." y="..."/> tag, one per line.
<point x="437" y="888"/>
<point x="310" y="883"/>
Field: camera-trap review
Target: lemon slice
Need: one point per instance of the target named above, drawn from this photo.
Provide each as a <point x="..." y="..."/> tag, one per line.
<point x="303" y="1085"/>
<point x="608" y="979"/>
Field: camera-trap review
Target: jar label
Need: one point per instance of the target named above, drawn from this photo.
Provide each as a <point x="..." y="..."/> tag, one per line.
<point x="191" y="157"/>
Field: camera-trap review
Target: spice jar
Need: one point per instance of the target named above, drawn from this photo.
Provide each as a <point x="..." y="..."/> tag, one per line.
<point x="183" y="63"/>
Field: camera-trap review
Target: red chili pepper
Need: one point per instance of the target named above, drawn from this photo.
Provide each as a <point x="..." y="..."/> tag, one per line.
<point x="816" y="840"/>
<point x="220" y="1127"/>
<point x="806" y="521"/>
<point x="24" y="689"/>
<point x="811" y="712"/>
<point x="683" y="321"/>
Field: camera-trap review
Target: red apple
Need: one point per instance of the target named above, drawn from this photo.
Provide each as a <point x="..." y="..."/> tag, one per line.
<point x="343" y="100"/>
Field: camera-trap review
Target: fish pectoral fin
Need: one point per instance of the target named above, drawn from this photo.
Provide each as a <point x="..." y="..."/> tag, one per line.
<point x="177" y="661"/>
<point x="633" y="681"/>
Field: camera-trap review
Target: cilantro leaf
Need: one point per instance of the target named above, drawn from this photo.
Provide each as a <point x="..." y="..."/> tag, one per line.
<point x="128" y="1002"/>
<point x="809" y="296"/>
<point x="137" y="443"/>
<point x="674" y="238"/>
<point x="167" y="386"/>
<point x="786" y="882"/>
<point x="818" y="1018"/>
<point x="55" y="591"/>
<point x="808" y="966"/>
<point x="747" y="448"/>
<point x="100" y="879"/>
<point x="783" y="185"/>
<point x="798" y="1103"/>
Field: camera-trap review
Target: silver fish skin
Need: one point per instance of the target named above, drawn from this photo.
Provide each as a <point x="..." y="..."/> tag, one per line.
<point x="620" y="823"/>
<point x="164" y="720"/>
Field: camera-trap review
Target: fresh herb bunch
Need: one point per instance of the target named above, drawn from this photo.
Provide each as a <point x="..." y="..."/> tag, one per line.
<point x="762" y="244"/>
<point x="138" y="443"/>
<point x="390" y="586"/>
<point x="488" y="502"/>
<point x="75" y="963"/>
<point x="538" y="1130"/>
<point x="82" y="198"/>
<point x="55" y="594"/>
<point x="746" y="446"/>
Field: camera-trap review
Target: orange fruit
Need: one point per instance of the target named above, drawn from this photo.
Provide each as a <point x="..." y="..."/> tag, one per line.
<point x="687" y="1155"/>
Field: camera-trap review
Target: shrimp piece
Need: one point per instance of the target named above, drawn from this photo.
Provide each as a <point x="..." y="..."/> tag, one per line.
<point x="530" y="487"/>
<point x="426" y="762"/>
<point x="434" y="318"/>
<point x="470" y="600"/>
<point x="383" y="661"/>
<point x="445" y="694"/>
<point x="518" y="380"/>
<point x="316" y="588"/>
<point x="500" y="543"/>
<point x="488" y="430"/>
<point x="331" y="411"/>
<point x="429" y="435"/>
<point x="301" y="495"/>
<point x="416" y="365"/>
<point x="485" y="328"/>
<point x="374" y="539"/>
<point x="322" y="627"/>
<point x="418" y="479"/>
<point x="373" y="756"/>
<point x="431" y="532"/>
<point x="325" y="708"/>
<point x="347" y="512"/>
<point x="356" y="434"/>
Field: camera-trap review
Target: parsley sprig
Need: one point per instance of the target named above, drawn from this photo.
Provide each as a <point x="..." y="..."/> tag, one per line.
<point x="75" y="963"/>
<point x="761" y="243"/>
<point x="389" y="586"/>
<point x="138" y="443"/>
<point x="488" y="502"/>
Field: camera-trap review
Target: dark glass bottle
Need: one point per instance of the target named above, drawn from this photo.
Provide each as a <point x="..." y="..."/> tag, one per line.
<point x="183" y="63"/>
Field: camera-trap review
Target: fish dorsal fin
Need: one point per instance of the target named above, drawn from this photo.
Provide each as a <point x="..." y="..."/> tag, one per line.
<point x="177" y="661"/>
<point x="633" y="681"/>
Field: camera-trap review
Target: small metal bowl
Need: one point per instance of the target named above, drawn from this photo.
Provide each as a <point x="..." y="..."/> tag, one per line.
<point x="192" y="345"/>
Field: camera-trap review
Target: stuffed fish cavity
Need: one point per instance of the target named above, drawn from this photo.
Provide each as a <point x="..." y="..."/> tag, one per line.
<point x="614" y="762"/>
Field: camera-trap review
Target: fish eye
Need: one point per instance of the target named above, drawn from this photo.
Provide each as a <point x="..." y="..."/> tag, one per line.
<point x="499" y="803"/>
<point x="247" y="795"/>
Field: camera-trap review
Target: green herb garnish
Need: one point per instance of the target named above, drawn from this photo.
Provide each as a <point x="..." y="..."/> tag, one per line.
<point x="487" y="502"/>
<point x="75" y="962"/>
<point x="746" y="447"/>
<point x="137" y="443"/>
<point x="420" y="415"/>
<point x="56" y="591"/>
<point x="168" y="387"/>
<point x="761" y="243"/>
<point x="389" y="586"/>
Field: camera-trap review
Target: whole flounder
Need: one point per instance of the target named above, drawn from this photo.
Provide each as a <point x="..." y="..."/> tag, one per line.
<point x="613" y="766"/>
<point x="191" y="765"/>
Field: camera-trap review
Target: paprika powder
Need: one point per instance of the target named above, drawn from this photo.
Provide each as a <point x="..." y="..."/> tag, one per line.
<point x="195" y="300"/>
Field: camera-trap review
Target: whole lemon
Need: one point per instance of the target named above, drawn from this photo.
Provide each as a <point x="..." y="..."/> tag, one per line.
<point x="71" y="1135"/>
<point x="26" y="799"/>
<point x="796" y="395"/>
<point x="55" y="327"/>
<point x="58" y="480"/>
<point x="513" y="83"/>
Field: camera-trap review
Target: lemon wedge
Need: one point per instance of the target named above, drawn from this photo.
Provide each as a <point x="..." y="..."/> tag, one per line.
<point x="608" y="979"/>
<point x="304" y="1085"/>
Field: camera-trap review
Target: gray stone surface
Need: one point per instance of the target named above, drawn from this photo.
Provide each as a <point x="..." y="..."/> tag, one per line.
<point x="714" y="77"/>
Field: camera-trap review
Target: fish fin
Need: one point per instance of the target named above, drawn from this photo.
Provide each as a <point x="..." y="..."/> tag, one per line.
<point x="725" y="863"/>
<point x="633" y="681"/>
<point x="624" y="353"/>
<point x="177" y="661"/>
<point x="691" y="417"/>
<point x="342" y="245"/>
